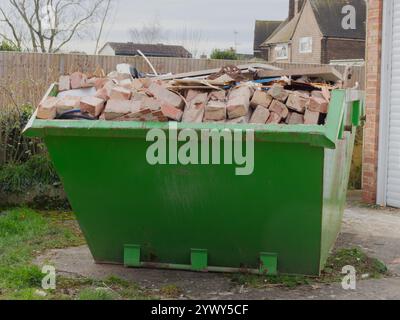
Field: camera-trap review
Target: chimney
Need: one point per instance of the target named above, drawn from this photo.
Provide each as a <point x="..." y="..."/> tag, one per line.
<point x="292" y="4"/>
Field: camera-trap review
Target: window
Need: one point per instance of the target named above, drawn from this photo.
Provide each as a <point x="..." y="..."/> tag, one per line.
<point x="305" y="45"/>
<point x="282" y="51"/>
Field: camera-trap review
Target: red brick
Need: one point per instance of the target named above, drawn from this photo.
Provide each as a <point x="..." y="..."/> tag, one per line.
<point x="260" y="115"/>
<point x="92" y="105"/>
<point x="311" y="118"/>
<point x="239" y="102"/>
<point x="295" y="118"/>
<point x="279" y="108"/>
<point x="47" y="109"/>
<point x="215" y="110"/>
<point x="261" y="98"/>
<point x="78" y="80"/>
<point x="318" y="105"/>
<point x="194" y="112"/>
<point x="166" y="96"/>
<point x="171" y="112"/>
<point x="119" y="93"/>
<point x="67" y="103"/>
<point x="274" y="118"/>
<point x="297" y="102"/>
<point x="278" y="92"/>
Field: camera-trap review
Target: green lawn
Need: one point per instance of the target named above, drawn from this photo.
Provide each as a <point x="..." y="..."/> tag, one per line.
<point x="24" y="234"/>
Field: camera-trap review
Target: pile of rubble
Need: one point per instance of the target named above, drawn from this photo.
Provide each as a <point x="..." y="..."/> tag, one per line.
<point x="224" y="97"/>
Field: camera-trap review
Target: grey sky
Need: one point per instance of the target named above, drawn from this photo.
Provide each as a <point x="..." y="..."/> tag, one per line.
<point x="216" y="21"/>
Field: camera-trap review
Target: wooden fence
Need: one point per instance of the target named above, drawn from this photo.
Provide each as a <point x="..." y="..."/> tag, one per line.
<point x="24" y="77"/>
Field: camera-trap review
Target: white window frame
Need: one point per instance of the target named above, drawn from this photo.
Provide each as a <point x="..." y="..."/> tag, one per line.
<point x="308" y="41"/>
<point x="279" y="48"/>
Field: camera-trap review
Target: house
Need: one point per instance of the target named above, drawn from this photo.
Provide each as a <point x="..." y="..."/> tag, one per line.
<point x="313" y="33"/>
<point x="381" y="154"/>
<point x="263" y="30"/>
<point x="149" y="50"/>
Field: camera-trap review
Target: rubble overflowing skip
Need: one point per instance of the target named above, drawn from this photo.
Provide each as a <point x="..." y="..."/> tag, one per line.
<point x="231" y="95"/>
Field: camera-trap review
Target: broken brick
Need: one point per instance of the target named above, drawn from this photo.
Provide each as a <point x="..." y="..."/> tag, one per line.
<point x="311" y="118"/>
<point x="278" y="92"/>
<point x="316" y="104"/>
<point x="279" y="108"/>
<point x="215" y="110"/>
<point x="118" y="108"/>
<point x="170" y="98"/>
<point x="261" y="98"/>
<point x="64" y="83"/>
<point x="295" y="118"/>
<point x="274" y="118"/>
<point x="102" y="94"/>
<point x="297" y="102"/>
<point x="260" y="115"/>
<point x="92" y="105"/>
<point x="239" y="102"/>
<point x="194" y="112"/>
<point x="171" y="112"/>
<point x="151" y="104"/>
<point x="119" y="93"/>
<point x="67" y="103"/>
<point x="47" y="109"/>
<point x="78" y="80"/>
<point x="217" y="95"/>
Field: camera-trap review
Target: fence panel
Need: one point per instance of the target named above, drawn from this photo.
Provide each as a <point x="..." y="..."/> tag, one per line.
<point x="24" y="77"/>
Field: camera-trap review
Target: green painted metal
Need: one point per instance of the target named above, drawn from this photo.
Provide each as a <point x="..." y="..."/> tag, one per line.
<point x="268" y="263"/>
<point x="132" y="256"/>
<point x="199" y="259"/>
<point x="291" y="205"/>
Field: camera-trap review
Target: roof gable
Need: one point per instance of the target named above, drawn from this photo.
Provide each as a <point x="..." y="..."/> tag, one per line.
<point x="263" y="30"/>
<point x="285" y="32"/>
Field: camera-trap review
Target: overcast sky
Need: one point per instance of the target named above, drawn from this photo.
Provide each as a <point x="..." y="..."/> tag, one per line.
<point x="212" y="22"/>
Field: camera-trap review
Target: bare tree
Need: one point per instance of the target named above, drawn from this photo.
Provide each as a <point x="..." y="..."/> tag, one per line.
<point x="48" y="25"/>
<point x="102" y="23"/>
<point x="151" y="33"/>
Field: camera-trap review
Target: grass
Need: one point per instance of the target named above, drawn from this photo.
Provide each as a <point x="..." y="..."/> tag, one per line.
<point x="24" y="234"/>
<point x="365" y="266"/>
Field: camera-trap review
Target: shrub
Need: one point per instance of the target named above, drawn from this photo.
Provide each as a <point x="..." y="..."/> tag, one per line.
<point x="229" y="54"/>
<point x="14" y="147"/>
<point x="18" y="178"/>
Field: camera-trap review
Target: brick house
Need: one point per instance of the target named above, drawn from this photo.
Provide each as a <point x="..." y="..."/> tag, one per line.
<point x="381" y="154"/>
<point x="313" y="33"/>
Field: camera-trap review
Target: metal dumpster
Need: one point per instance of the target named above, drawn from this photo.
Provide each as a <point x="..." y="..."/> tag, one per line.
<point x="285" y="217"/>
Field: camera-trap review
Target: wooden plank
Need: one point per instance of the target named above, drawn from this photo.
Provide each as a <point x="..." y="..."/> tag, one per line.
<point x="327" y="73"/>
